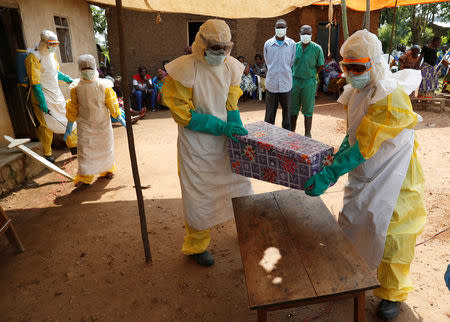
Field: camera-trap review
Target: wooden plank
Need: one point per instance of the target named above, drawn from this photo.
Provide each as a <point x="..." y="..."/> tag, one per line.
<point x="332" y="262"/>
<point x="260" y="226"/>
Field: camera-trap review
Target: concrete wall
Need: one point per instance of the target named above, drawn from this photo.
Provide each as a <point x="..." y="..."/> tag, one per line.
<point x="38" y="15"/>
<point x="148" y="43"/>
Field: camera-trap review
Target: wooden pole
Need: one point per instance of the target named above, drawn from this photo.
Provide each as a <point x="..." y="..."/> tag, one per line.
<point x="367" y="16"/>
<point x="131" y="146"/>
<point x="392" y="34"/>
<point x="344" y="19"/>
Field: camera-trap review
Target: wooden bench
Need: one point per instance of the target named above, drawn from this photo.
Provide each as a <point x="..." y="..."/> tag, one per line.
<point x="7" y="227"/>
<point x="317" y="263"/>
<point x="425" y="101"/>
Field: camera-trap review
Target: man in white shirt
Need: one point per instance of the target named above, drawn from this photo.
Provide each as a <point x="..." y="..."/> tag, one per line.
<point x="279" y="54"/>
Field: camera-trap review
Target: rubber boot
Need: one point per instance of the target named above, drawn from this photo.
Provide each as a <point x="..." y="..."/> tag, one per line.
<point x="49" y="158"/>
<point x="388" y="309"/>
<point x="204" y="259"/>
<point x="293" y="122"/>
<point x="308" y="125"/>
<point x="74" y="151"/>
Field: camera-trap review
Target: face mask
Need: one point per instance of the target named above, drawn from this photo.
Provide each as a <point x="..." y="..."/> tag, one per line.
<point x="305" y="39"/>
<point x="280" y="32"/>
<point x="359" y="81"/>
<point x="212" y="59"/>
<point x="52" y="49"/>
<point x="88" y="74"/>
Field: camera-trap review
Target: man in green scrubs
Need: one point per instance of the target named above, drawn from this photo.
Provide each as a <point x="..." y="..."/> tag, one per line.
<point x="308" y="62"/>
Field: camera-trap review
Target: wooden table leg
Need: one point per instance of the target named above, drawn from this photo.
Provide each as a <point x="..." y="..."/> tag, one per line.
<point x="360" y="307"/>
<point x="261" y="316"/>
<point x="10" y="232"/>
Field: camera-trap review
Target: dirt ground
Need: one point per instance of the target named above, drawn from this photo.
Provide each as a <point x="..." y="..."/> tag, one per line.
<point x="84" y="258"/>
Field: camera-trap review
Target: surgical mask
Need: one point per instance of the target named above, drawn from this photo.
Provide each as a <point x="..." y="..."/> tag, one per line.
<point x="305" y="39"/>
<point x="359" y="81"/>
<point x="213" y="59"/>
<point x="280" y="32"/>
<point x="88" y="74"/>
<point x="52" y="49"/>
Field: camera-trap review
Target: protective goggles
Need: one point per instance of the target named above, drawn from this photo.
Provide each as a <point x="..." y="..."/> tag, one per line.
<point x="52" y="43"/>
<point x="217" y="48"/>
<point x="356" y="66"/>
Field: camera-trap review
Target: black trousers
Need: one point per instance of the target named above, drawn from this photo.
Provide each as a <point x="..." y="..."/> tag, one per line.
<point x="272" y="100"/>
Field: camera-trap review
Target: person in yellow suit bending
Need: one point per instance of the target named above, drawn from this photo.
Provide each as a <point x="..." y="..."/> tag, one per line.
<point x="202" y="91"/>
<point x="383" y="209"/>
<point x="92" y="101"/>
<point x="49" y="104"/>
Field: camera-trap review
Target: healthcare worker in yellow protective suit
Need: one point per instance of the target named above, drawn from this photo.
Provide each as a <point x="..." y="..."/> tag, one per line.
<point x="202" y="92"/>
<point x="92" y="101"/>
<point x="383" y="209"/>
<point x="49" y="104"/>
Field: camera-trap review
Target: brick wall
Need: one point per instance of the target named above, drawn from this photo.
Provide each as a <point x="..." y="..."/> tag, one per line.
<point x="150" y="43"/>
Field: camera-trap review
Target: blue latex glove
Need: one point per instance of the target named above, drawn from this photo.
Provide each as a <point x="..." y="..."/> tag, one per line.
<point x="234" y="117"/>
<point x="68" y="130"/>
<point x="64" y="77"/>
<point x="211" y="124"/>
<point x="122" y="121"/>
<point x="37" y="90"/>
<point x="343" y="163"/>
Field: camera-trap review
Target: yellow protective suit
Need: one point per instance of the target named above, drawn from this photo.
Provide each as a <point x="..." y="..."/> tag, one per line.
<point x="111" y="103"/>
<point x="45" y="135"/>
<point x="179" y="100"/>
<point x="383" y="210"/>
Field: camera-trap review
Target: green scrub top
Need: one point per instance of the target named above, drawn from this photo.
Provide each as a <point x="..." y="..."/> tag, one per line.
<point x="306" y="61"/>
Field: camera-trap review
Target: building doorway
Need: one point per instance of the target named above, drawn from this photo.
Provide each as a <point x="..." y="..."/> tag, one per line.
<point x="322" y="39"/>
<point x="193" y="27"/>
<point x="11" y="38"/>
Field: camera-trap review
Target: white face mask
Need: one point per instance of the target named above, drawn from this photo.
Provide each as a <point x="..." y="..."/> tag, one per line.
<point x="88" y="74"/>
<point x="305" y="39"/>
<point x="213" y="59"/>
<point x="280" y="32"/>
<point x="52" y="49"/>
<point x="359" y="81"/>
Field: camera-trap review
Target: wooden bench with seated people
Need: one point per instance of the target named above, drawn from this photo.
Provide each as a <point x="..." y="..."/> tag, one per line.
<point x="294" y="253"/>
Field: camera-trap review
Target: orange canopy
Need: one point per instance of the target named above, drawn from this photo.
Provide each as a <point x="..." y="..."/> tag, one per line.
<point x="360" y="5"/>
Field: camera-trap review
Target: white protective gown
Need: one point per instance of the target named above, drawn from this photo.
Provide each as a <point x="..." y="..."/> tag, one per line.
<point x="56" y="103"/>
<point x="95" y="134"/>
<point x="373" y="187"/>
<point x="207" y="182"/>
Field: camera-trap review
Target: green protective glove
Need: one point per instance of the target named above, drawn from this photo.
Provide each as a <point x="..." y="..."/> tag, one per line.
<point x="64" y="77"/>
<point x="211" y="124"/>
<point x="344" y="146"/>
<point x="343" y="163"/>
<point x="234" y="117"/>
<point x="37" y="90"/>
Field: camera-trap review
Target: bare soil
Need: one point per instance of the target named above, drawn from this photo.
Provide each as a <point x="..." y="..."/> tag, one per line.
<point x="84" y="259"/>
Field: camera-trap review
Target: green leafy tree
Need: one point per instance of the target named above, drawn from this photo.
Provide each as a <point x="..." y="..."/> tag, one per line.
<point x="413" y="24"/>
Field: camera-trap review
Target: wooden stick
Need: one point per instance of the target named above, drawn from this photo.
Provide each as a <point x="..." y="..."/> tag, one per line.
<point x="131" y="146"/>
<point x="392" y="34"/>
<point x="344" y="19"/>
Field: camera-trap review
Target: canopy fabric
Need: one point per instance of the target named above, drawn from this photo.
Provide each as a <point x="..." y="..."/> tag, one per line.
<point x="360" y="5"/>
<point x="247" y="8"/>
<point x="215" y="8"/>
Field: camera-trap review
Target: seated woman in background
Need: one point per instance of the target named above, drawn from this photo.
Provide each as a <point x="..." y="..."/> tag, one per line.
<point x="331" y="70"/>
<point x="260" y="70"/>
<point x="247" y="84"/>
<point x="411" y="58"/>
<point x="158" y="82"/>
<point x="143" y="90"/>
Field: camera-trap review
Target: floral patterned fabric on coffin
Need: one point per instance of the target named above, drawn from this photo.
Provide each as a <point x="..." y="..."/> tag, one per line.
<point x="276" y="155"/>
